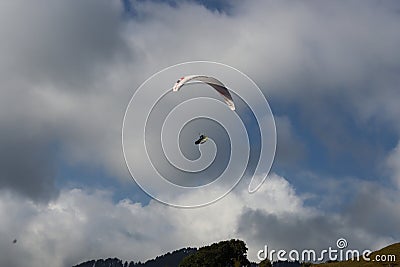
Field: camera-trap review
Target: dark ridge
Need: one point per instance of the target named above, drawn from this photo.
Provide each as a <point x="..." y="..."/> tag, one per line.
<point x="169" y="259"/>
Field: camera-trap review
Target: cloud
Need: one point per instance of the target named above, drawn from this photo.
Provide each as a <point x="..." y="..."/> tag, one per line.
<point x="371" y="205"/>
<point x="290" y="150"/>
<point x="68" y="76"/>
<point x="26" y="166"/>
<point x="68" y="70"/>
<point x="59" y="42"/>
<point x="53" y="55"/>
<point x="358" y="221"/>
<point x="75" y="227"/>
<point x="393" y="163"/>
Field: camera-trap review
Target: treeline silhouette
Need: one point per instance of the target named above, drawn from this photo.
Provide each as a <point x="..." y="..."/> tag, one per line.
<point x="171" y="259"/>
<point x="230" y="253"/>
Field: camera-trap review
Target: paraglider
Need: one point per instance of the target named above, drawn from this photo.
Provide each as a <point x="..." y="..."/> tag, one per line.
<point x="202" y="139"/>
<point x="213" y="82"/>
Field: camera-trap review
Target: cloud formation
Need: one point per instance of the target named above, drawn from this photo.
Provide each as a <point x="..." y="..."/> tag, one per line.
<point x="68" y="76"/>
<point x="68" y="70"/>
<point x="75" y="227"/>
<point x="393" y="163"/>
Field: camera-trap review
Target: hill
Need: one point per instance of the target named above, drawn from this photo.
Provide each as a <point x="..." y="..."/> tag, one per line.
<point x="224" y="253"/>
<point x="170" y="259"/>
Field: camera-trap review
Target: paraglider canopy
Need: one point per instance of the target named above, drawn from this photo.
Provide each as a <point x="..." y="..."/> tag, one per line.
<point x="213" y="82"/>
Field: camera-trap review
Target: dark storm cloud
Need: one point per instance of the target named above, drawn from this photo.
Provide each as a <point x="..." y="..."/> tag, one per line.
<point x="59" y="41"/>
<point x="26" y="165"/>
<point x="371" y="207"/>
<point x="290" y="150"/>
<point x="393" y="165"/>
<point x="52" y="52"/>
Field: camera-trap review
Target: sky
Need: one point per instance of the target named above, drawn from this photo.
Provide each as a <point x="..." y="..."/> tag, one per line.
<point x="329" y="70"/>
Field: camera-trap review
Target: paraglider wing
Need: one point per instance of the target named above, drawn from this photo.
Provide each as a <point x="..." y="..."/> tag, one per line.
<point x="214" y="83"/>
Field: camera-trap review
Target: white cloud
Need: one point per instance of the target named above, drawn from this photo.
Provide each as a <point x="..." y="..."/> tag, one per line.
<point x="78" y="225"/>
<point x="81" y="225"/>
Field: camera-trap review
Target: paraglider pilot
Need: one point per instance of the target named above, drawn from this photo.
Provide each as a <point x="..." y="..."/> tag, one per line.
<point x="202" y="139"/>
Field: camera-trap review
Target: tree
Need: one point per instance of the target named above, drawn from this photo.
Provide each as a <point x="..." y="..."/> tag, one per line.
<point x="265" y="263"/>
<point x="225" y="253"/>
